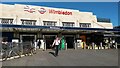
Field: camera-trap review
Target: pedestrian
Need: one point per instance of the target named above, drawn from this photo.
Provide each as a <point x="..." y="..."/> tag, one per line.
<point x="4" y="44"/>
<point x="39" y="43"/>
<point x="62" y="43"/>
<point x="35" y="44"/>
<point x="56" y="43"/>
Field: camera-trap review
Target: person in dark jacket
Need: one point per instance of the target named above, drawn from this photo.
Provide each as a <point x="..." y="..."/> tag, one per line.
<point x="39" y="44"/>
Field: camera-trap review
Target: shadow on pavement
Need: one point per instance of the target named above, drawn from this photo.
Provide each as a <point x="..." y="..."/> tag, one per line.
<point x="52" y="53"/>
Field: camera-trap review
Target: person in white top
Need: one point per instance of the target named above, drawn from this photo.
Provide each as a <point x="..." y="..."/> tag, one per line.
<point x="56" y="43"/>
<point x="35" y="44"/>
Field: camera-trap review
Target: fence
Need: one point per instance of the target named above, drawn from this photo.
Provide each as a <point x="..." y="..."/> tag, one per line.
<point x="9" y="50"/>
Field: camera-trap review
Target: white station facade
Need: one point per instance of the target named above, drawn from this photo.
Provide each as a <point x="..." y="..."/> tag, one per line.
<point x="29" y="23"/>
<point x="57" y="16"/>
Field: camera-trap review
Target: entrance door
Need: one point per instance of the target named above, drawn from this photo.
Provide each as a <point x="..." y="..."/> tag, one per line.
<point x="28" y="38"/>
<point x="70" y="42"/>
<point x="49" y="40"/>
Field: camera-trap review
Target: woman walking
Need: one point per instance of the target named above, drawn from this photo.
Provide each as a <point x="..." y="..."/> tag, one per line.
<point x="56" y="44"/>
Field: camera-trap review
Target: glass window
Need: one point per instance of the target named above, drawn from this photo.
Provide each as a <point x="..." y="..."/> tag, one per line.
<point x="103" y="20"/>
<point x="6" y="21"/>
<point x="68" y="24"/>
<point x="85" y="25"/>
<point x="28" y="22"/>
<point x="11" y="21"/>
<point x="49" y="23"/>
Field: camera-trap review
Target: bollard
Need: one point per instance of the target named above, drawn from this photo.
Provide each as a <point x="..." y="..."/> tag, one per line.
<point x="93" y="47"/>
<point x="84" y="45"/>
<point x="116" y="45"/>
<point x="101" y="45"/>
<point x="44" y="47"/>
<point x="66" y="46"/>
<point x="108" y="45"/>
<point x="88" y="47"/>
<point x="75" y="46"/>
<point x="21" y="47"/>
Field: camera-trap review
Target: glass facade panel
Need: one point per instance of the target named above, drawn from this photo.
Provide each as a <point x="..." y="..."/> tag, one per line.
<point x="28" y="22"/>
<point x="85" y="25"/>
<point x="6" y="21"/>
<point x="68" y="24"/>
<point x="49" y="23"/>
<point x="103" y="20"/>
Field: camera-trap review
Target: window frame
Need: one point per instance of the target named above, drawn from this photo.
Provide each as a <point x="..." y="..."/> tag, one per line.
<point x="28" y="22"/>
<point x="49" y="23"/>
<point x="6" y="20"/>
<point x="85" y="25"/>
<point x="68" y="24"/>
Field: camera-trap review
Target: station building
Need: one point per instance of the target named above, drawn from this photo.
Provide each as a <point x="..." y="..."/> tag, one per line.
<point x="29" y="23"/>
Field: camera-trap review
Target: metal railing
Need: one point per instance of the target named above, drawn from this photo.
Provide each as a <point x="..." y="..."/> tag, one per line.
<point x="10" y="49"/>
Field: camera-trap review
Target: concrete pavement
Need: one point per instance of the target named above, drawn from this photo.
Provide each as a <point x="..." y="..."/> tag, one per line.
<point x="68" y="58"/>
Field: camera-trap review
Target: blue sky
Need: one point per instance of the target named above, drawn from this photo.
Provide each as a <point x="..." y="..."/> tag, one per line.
<point x="100" y="9"/>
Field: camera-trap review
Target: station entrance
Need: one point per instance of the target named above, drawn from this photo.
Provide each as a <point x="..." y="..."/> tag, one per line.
<point x="70" y="42"/>
<point x="28" y="38"/>
<point x="49" y="39"/>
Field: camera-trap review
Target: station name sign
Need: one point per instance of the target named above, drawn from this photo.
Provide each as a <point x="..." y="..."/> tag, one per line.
<point x="59" y="12"/>
<point x="50" y="11"/>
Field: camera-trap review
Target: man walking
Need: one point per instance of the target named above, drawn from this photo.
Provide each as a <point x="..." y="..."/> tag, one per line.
<point x="56" y="43"/>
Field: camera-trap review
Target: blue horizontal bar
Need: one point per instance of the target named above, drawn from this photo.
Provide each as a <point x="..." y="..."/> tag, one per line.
<point x="56" y="27"/>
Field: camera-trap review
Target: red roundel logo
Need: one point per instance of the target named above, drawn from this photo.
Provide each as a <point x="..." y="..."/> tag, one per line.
<point x="42" y="10"/>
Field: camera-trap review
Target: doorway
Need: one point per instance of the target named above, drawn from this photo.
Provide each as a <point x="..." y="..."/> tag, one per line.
<point x="70" y="42"/>
<point x="27" y="38"/>
<point x="49" y="39"/>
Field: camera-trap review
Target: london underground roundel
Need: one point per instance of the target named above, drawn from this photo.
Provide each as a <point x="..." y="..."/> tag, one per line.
<point x="42" y="10"/>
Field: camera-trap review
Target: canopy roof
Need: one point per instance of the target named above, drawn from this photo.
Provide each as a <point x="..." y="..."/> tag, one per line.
<point x="58" y="28"/>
